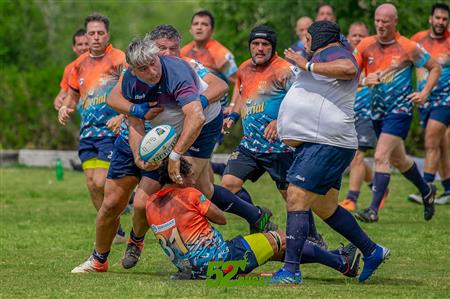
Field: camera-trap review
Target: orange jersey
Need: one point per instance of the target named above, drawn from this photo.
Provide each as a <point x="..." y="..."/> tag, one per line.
<point x="394" y="62"/>
<point x="439" y="49"/>
<point x="94" y="78"/>
<point x="64" y="84"/>
<point x="215" y="57"/>
<point x="177" y="218"/>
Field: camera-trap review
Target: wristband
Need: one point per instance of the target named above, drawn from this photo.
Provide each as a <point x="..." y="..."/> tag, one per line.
<point x="204" y="101"/>
<point x="174" y="156"/>
<point x="234" y="116"/>
<point x="310" y="67"/>
<point x="139" y="110"/>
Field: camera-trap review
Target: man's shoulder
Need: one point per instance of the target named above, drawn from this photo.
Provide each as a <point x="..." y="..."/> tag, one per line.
<point x="184" y="50"/>
<point x="217" y="48"/>
<point x="366" y="42"/>
<point x="406" y="43"/>
<point x="420" y="35"/>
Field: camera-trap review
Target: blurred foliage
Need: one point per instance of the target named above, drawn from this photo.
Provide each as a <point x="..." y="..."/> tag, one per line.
<point x="36" y="39"/>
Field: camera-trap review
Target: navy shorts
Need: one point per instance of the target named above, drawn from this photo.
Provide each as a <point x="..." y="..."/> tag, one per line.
<point x="248" y="165"/>
<point x="318" y="168"/>
<point x="367" y="139"/>
<point x="396" y="124"/>
<point x="239" y="248"/>
<point x="439" y="113"/>
<point x="96" y="147"/>
<point x="122" y="163"/>
<point x="203" y="146"/>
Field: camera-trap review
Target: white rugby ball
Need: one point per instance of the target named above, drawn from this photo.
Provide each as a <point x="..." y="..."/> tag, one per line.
<point x="157" y="144"/>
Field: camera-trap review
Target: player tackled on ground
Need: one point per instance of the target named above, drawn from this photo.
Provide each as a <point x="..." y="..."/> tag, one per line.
<point x="180" y="215"/>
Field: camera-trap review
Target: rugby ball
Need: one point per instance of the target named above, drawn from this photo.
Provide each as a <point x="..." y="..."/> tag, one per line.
<point x="157" y="144"/>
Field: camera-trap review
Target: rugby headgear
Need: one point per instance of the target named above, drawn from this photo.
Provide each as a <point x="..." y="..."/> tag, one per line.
<point x="264" y="32"/>
<point x="323" y="33"/>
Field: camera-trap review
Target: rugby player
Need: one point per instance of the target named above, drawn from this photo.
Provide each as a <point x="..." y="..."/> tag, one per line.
<point x="172" y="83"/>
<point x="359" y="169"/>
<point x="387" y="60"/>
<point x="262" y="81"/>
<point x="79" y="46"/>
<point x="301" y="28"/>
<point x="325" y="142"/>
<point x="179" y="216"/>
<point x="93" y="76"/>
<point x="435" y="112"/>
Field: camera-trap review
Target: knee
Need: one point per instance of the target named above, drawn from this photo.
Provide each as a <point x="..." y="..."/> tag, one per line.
<point x="381" y="158"/>
<point x="110" y="208"/>
<point x="231" y="185"/>
<point x="431" y="144"/>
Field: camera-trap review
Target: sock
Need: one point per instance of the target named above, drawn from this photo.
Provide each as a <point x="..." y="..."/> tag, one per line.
<point x="228" y="202"/>
<point x="101" y="257"/>
<point x="297" y="228"/>
<point x="314" y="254"/>
<point x="120" y="231"/>
<point x="446" y="184"/>
<point x="429" y="177"/>
<point x="244" y="195"/>
<point x="312" y="226"/>
<point x="413" y="175"/>
<point x="380" y="184"/>
<point x="345" y="224"/>
<point x="218" y="168"/>
<point x="353" y="195"/>
<point x="135" y="238"/>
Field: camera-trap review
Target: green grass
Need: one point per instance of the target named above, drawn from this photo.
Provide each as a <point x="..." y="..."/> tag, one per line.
<point x="47" y="228"/>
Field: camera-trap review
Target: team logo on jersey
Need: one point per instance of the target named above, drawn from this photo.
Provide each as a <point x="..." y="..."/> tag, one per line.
<point x="91" y="92"/>
<point x="395" y="62"/>
<point x="139" y="96"/>
<point x="262" y="86"/>
<point x="162" y="227"/>
<point x="370" y="59"/>
<point x="81" y="81"/>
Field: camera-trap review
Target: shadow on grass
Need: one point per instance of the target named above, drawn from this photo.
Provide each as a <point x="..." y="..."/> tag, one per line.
<point x="375" y="281"/>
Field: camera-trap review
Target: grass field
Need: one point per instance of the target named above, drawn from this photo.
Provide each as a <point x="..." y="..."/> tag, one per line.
<point x="47" y="228"/>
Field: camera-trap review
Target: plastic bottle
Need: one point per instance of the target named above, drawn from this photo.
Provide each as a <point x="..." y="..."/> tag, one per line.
<point x="59" y="170"/>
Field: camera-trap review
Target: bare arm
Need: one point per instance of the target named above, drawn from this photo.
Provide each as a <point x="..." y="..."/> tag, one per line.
<point x="217" y="88"/>
<point x="59" y="99"/>
<point x="434" y="72"/>
<point x="343" y="69"/>
<point x="215" y="215"/>
<point x="116" y="100"/>
<point x="68" y="106"/>
<point x="136" y="133"/>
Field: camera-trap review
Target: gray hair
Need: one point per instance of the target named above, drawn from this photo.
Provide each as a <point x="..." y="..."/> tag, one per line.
<point x="141" y="51"/>
<point x="165" y="31"/>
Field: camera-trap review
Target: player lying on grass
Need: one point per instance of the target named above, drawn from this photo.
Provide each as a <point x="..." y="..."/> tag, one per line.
<point x="180" y="215"/>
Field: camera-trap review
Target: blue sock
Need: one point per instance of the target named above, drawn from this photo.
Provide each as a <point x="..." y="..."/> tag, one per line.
<point x="297" y="228"/>
<point x="101" y="257"/>
<point x="413" y="175"/>
<point x="314" y="254"/>
<point x="228" y="202"/>
<point x="218" y="168"/>
<point x="345" y="224"/>
<point x="135" y="238"/>
<point x="120" y="231"/>
<point x="312" y="226"/>
<point x="429" y="177"/>
<point x="353" y="195"/>
<point x="446" y="184"/>
<point x="380" y="184"/>
<point x="244" y="195"/>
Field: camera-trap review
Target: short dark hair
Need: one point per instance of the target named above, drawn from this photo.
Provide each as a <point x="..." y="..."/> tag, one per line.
<point x="165" y="31"/>
<point x="164" y="178"/>
<point x="322" y="5"/>
<point x="204" y="13"/>
<point x="442" y="6"/>
<point x="79" y="32"/>
<point x="97" y="18"/>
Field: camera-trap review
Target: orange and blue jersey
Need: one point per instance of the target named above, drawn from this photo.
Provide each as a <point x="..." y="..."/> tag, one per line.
<point x="94" y="78"/>
<point x="177" y="218"/>
<point x="362" y="103"/>
<point x="262" y="89"/>
<point x="394" y="62"/>
<point x="439" y="49"/>
<point x="215" y="57"/>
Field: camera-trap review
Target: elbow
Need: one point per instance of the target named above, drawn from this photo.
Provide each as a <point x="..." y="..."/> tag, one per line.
<point x="223" y="88"/>
<point x="350" y="73"/>
<point x="222" y="221"/>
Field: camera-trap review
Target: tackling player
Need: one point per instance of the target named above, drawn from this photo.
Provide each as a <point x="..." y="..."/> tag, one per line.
<point x="435" y="112"/>
<point x="387" y="60"/>
<point x="179" y="216"/>
<point x="93" y="76"/>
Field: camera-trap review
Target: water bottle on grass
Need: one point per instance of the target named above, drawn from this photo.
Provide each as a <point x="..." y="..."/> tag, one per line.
<point x="59" y="170"/>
